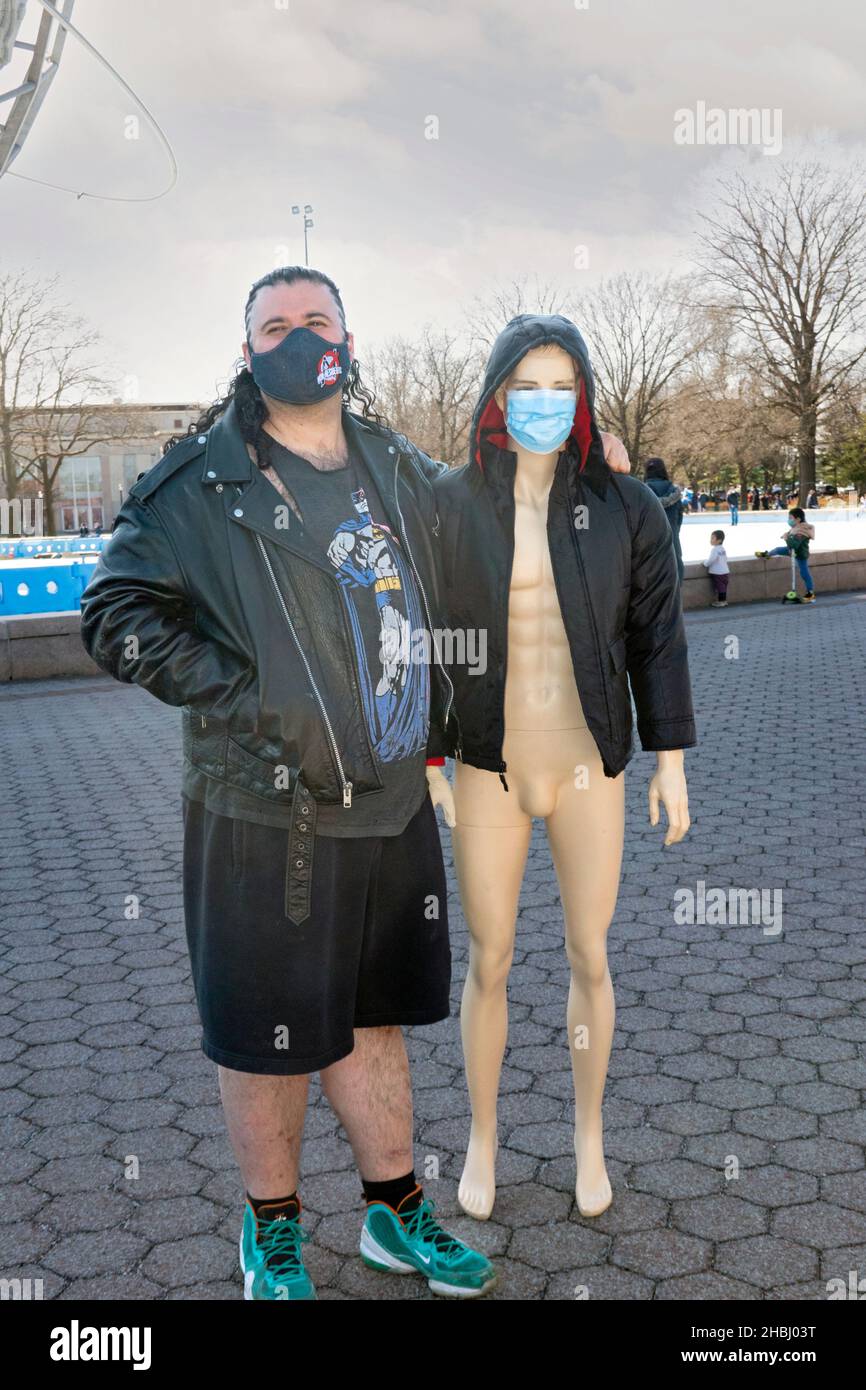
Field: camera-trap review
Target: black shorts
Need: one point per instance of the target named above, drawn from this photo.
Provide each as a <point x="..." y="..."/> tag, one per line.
<point x="282" y="999"/>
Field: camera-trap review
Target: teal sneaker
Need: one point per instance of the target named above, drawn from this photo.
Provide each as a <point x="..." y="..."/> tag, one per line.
<point x="271" y="1259"/>
<point x="418" y="1243"/>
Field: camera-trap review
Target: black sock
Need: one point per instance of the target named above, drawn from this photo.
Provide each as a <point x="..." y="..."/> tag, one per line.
<point x="272" y="1208"/>
<point x="403" y="1194"/>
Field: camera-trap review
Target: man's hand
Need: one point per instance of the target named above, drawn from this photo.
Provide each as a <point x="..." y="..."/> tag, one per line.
<point x="669" y="786"/>
<point x="441" y="794"/>
<point x="615" y="453"/>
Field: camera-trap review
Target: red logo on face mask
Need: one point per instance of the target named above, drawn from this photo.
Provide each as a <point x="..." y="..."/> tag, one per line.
<point x="329" y="369"/>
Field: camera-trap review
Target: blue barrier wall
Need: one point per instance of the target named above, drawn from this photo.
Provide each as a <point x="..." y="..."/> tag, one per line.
<point x="44" y="586"/>
<point x="21" y="547"/>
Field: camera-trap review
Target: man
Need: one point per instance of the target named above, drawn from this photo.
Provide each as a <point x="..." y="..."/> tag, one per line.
<point x="733" y="500"/>
<point x="314" y="890"/>
<point x="265" y="575"/>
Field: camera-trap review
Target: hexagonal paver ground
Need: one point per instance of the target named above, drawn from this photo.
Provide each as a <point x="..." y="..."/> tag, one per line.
<point x="734" y="1106"/>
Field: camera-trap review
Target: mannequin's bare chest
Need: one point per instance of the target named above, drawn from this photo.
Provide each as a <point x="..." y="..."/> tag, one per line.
<point x="540" y="690"/>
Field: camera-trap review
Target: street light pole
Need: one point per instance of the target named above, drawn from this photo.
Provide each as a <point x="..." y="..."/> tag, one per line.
<point x="308" y="222"/>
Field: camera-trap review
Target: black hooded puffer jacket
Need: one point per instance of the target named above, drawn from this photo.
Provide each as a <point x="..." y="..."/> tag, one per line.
<point x="614" y="568"/>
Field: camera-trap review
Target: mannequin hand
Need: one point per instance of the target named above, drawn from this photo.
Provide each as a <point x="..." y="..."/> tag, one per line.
<point x="615" y="453"/>
<point x="441" y="794"/>
<point x="669" y="786"/>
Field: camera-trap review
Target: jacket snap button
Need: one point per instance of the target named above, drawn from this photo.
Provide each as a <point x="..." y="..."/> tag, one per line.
<point x="305" y="810"/>
<point x="299" y="863"/>
<point x="391" y="449"/>
<point x="239" y="511"/>
<point x="202" y="439"/>
<point x="219" y="487"/>
<point x="211" y="473"/>
<point x="303" y="825"/>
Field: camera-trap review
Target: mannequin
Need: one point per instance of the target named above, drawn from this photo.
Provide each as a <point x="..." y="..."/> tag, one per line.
<point x="554" y="772"/>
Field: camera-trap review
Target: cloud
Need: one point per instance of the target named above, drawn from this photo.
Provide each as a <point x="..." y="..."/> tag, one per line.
<point x="555" y="131"/>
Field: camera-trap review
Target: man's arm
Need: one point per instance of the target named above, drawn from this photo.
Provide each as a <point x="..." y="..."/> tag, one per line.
<point x="138" y="624"/>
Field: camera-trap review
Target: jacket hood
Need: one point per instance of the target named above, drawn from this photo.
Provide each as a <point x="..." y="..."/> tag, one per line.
<point x="518" y="337"/>
<point x="668" y="493"/>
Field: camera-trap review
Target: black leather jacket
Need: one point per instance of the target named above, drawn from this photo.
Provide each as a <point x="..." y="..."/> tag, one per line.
<point x="201" y="598"/>
<point x="614" y="569"/>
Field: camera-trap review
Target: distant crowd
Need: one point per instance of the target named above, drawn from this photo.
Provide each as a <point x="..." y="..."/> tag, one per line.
<point x="796" y="537"/>
<point x="756" y="500"/>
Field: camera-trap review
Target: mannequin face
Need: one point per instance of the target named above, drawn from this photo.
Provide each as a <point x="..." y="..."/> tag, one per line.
<point x="548" y="367"/>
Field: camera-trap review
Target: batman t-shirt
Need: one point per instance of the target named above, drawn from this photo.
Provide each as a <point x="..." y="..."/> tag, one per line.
<point x="343" y="515"/>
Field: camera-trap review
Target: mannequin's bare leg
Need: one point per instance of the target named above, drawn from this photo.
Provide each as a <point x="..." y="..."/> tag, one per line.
<point x="490" y="858"/>
<point x="586" y="835"/>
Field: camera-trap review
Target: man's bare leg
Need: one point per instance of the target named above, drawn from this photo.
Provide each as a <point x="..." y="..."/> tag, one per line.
<point x="265" y="1120"/>
<point x="371" y="1095"/>
<point x="369" y="1091"/>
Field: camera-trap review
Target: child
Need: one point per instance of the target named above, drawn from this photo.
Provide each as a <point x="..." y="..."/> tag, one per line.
<point x="800" y="532"/>
<point x="717" y="568"/>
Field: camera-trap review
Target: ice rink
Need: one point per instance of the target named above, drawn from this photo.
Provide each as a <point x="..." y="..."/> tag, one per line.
<point x="834" y="530"/>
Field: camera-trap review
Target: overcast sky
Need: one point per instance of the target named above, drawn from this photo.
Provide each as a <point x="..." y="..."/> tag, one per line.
<point x="555" y="130"/>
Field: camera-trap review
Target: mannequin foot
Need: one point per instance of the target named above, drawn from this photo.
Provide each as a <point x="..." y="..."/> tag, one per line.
<point x="477" y="1191"/>
<point x="592" y="1189"/>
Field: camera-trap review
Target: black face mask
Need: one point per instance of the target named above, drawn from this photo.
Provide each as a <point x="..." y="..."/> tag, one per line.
<point x="302" y="369"/>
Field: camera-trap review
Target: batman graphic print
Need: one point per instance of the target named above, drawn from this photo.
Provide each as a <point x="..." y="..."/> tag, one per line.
<point x="344" y="517"/>
<point x="373" y="573"/>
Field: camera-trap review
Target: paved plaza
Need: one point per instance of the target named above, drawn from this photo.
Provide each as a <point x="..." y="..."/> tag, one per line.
<point x="734" y="1116"/>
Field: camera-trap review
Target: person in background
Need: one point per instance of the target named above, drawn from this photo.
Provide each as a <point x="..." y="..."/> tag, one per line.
<point x="733" y="501"/>
<point x="756" y="499"/>
<point x="800" y="532"/>
<point x="812" y="498"/>
<point x="716" y="565"/>
<point x="671" y="498"/>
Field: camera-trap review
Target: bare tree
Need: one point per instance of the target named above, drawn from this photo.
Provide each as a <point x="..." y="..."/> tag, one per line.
<point x="721" y="425"/>
<point x="842" y="432"/>
<point x="641" y="331"/>
<point x="57" y="432"/>
<point x="427" y="388"/>
<point x="52" y="391"/>
<point x="787" y="254"/>
<point x="446" y="373"/>
<point x="387" y="368"/>
<point x="27" y="313"/>
<point x="488" y="313"/>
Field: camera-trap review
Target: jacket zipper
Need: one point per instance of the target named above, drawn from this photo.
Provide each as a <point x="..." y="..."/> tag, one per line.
<point x="591" y="612"/>
<point x="426" y="605"/>
<point x="503" y="766"/>
<point x="347" y="786"/>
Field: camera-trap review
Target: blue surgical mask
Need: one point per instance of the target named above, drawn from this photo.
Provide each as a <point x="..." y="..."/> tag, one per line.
<point x="540" y="420"/>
